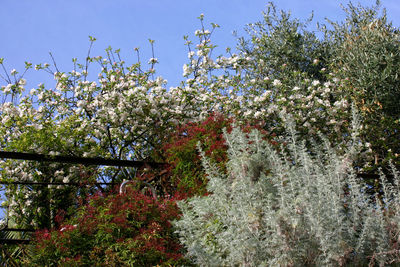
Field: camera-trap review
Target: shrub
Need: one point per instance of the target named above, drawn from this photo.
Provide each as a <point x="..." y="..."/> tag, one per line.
<point x="296" y="207"/>
<point x="130" y="229"/>
<point x="186" y="174"/>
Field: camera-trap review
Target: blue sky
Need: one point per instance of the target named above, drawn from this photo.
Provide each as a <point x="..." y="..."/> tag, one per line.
<point x="30" y="29"/>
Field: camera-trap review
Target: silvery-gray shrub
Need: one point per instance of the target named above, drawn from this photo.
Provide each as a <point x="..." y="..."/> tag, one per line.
<point x="295" y="207"/>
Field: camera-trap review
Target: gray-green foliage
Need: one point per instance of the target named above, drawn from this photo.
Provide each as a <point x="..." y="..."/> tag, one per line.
<point x="366" y="49"/>
<point x="281" y="47"/>
<point x="362" y="53"/>
<point x="291" y="208"/>
<point x="365" y="55"/>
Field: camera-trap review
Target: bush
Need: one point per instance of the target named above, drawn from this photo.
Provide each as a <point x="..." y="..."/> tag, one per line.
<point x="129" y="229"/>
<point x="294" y="208"/>
<point x="186" y="174"/>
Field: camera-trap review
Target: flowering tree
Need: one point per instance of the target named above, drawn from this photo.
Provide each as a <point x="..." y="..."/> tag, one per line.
<point x="123" y="116"/>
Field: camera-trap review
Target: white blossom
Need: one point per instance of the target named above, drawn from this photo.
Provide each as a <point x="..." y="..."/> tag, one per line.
<point x="277" y="82"/>
<point x="315" y="83"/>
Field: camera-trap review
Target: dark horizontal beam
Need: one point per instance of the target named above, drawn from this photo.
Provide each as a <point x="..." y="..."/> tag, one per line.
<point x="53" y="183"/>
<point x="14" y="241"/>
<point x="77" y="160"/>
<point x="17" y="230"/>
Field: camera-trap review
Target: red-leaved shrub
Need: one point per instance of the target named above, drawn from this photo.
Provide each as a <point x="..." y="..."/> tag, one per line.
<point x="186" y="176"/>
<point x="130" y="229"/>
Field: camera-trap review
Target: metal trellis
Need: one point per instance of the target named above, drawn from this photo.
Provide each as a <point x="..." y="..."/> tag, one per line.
<point x="69" y="160"/>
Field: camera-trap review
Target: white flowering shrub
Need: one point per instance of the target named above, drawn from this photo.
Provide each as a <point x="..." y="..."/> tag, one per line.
<point x="123" y="115"/>
<point x="296" y="207"/>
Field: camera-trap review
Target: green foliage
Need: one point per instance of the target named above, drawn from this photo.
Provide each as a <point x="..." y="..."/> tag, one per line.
<point x="280" y="47"/>
<point x="293" y="208"/>
<point x="129" y="229"/>
<point x="365" y="55"/>
<point x="317" y="78"/>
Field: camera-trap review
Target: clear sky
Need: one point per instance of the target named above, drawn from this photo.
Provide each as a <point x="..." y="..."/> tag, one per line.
<point x="30" y="29"/>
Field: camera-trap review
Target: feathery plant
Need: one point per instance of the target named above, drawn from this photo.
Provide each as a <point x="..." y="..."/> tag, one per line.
<point x="292" y="207"/>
